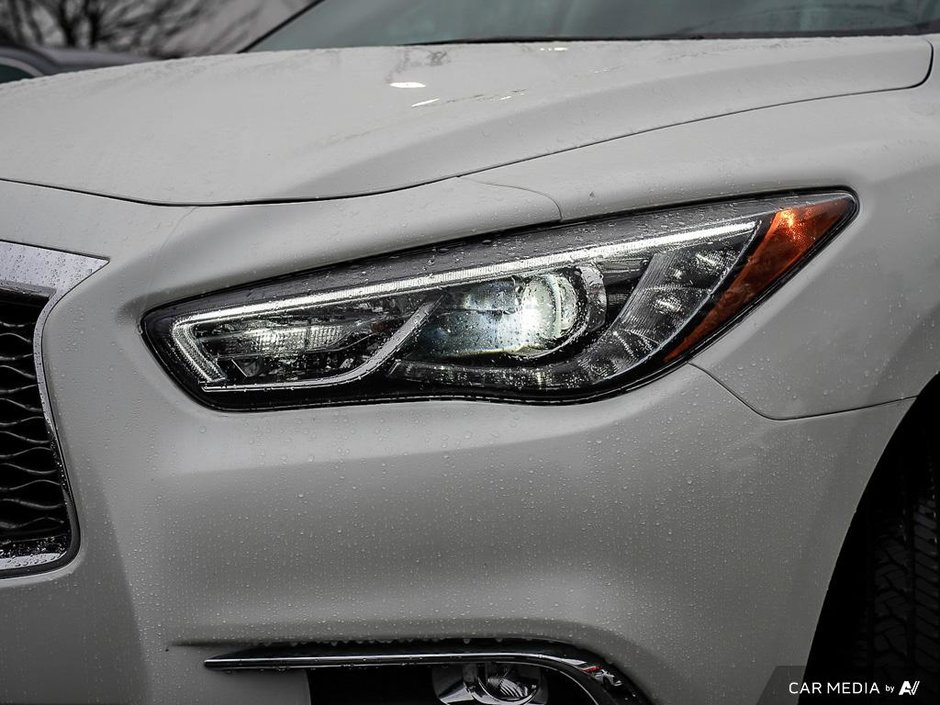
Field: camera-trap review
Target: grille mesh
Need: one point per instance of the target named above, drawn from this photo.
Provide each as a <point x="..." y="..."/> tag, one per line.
<point x="33" y="513"/>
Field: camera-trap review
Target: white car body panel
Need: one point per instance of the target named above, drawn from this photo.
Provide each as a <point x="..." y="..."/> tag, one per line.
<point x="635" y="527"/>
<point x="334" y="123"/>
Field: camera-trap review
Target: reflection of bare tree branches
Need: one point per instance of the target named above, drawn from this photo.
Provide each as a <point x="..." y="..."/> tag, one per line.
<point x="233" y="30"/>
<point x="152" y="27"/>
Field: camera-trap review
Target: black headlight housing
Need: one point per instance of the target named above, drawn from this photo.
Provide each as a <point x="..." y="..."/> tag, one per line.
<point x="555" y="314"/>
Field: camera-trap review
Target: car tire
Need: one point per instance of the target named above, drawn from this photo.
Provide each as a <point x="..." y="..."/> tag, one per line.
<point x="881" y="619"/>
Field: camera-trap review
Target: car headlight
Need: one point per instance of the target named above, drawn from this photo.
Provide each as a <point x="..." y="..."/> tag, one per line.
<point x="560" y="313"/>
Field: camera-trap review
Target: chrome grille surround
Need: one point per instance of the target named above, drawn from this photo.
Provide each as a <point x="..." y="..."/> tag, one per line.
<point x="47" y="275"/>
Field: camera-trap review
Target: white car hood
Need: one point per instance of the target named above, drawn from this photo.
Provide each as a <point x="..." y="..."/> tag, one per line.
<point x="334" y="123"/>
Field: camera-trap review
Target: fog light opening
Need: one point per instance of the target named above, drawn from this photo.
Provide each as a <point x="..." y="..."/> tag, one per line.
<point x="491" y="683"/>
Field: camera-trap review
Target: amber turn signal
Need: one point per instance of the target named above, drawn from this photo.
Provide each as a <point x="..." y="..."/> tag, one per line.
<point x="792" y="235"/>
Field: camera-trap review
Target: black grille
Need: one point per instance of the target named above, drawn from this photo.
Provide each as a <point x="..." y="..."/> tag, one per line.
<point x="34" y="516"/>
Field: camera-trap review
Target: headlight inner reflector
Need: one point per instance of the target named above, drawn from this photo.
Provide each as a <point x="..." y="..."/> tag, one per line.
<point x="563" y="313"/>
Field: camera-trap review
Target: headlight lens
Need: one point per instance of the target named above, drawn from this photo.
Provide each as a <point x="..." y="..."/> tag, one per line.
<point x="563" y="313"/>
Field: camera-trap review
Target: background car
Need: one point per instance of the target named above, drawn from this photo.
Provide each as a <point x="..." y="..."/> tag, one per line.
<point x="19" y="62"/>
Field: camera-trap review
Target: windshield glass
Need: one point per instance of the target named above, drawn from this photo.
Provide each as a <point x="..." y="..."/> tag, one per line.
<point x="342" y="23"/>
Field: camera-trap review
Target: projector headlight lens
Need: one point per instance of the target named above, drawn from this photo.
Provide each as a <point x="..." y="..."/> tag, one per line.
<point x="562" y="313"/>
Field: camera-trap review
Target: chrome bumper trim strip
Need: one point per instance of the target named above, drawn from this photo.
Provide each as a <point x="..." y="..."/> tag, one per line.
<point x="600" y="681"/>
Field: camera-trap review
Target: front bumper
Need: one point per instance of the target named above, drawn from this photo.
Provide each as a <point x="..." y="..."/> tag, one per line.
<point x="673" y="531"/>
